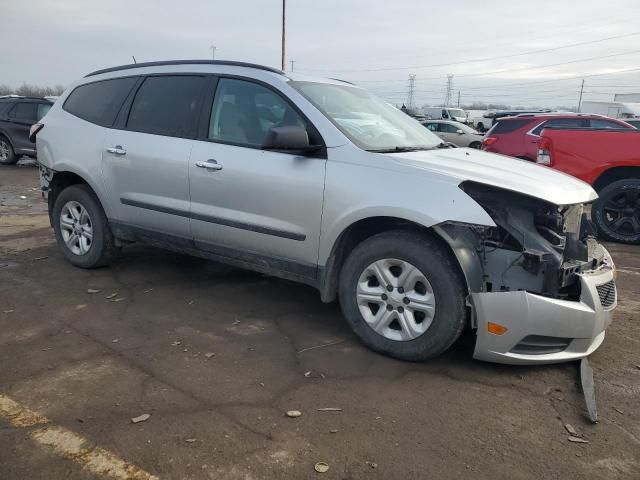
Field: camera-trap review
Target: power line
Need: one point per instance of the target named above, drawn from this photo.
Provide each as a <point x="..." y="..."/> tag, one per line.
<point x="486" y="59"/>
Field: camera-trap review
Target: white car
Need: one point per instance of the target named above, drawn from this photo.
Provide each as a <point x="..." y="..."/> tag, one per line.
<point x="454" y="132"/>
<point x="321" y="182"/>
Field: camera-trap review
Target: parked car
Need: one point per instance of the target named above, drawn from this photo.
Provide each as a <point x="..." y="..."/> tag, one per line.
<point x="518" y="136"/>
<point x="609" y="160"/>
<point x="17" y="114"/>
<point x="490" y="117"/>
<point x="446" y="113"/>
<point x="320" y="182"/>
<point x="621" y="110"/>
<point x="456" y="133"/>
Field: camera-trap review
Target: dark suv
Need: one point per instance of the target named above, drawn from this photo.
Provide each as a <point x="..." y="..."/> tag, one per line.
<point x="17" y="114"/>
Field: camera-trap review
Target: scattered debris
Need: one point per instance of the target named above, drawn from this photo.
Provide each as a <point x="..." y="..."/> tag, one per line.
<point x="261" y="384"/>
<point x="333" y="430"/>
<point x="330" y="409"/>
<point x="307" y="374"/>
<point x="147" y="290"/>
<point x="115" y="340"/>
<point x="586" y="379"/>
<point x="322" y="375"/>
<point x="38" y="259"/>
<point x="191" y="440"/>
<point x="113" y="295"/>
<point x="372" y="464"/>
<point x="235" y="322"/>
<point x="142" y="418"/>
<point x="92" y="290"/>
<point x="81" y="306"/>
<point x="191" y="302"/>
<point x="294" y="413"/>
<point x="175" y="343"/>
<point x="210" y="354"/>
<point x="321" y="467"/>
<point x="619" y="411"/>
<point x="7" y="311"/>
<point x="117" y="299"/>
<point x="571" y="430"/>
<point x="577" y="440"/>
<point x="23" y="197"/>
<point x="323" y="345"/>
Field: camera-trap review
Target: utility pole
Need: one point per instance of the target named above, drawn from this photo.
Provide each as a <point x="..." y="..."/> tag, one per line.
<point x="284" y="8"/>
<point x="213" y="52"/>
<point x="458" y="98"/>
<point x="292" y="62"/>
<point x="134" y="58"/>
<point x="580" y="99"/>
<point x="447" y="98"/>
<point x="410" y="95"/>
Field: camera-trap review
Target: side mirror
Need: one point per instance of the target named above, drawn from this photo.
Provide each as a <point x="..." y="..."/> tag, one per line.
<point x="459" y="132"/>
<point x="291" y="138"/>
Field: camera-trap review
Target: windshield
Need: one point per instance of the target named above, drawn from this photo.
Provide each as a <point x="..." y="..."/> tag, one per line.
<point x="465" y="128"/>
<point x="457" y="112"/>
<point x="369" y="122"/>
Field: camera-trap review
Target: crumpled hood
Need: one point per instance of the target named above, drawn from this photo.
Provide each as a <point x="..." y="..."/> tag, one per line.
<point x="510" y="173"/>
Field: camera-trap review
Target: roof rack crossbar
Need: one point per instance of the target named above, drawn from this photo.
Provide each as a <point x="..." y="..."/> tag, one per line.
<point x="185" y="62"/>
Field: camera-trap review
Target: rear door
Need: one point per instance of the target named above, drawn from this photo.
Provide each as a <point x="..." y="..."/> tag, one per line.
<point x="21" y="117"/>
<point x="255" y="206"/>
<point x="146" y="159"/>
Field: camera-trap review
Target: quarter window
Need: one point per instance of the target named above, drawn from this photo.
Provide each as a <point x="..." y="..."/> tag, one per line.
<point x="168" y="106"/>
<point x="99" y="102"/>
<point x="243" y="113"/>
<point x="43" y="108"/>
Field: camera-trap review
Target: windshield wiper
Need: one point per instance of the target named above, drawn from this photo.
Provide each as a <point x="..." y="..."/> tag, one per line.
<point x="399" y="149"/>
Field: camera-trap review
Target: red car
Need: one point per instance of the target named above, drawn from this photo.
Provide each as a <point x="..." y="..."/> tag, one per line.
<point x="518" y="136"/>
<point x="609" y="160"/>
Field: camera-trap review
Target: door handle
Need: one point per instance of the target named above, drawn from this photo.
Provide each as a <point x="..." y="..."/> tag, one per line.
<point x="210" y="164"/>
<point x="117" y="150"/>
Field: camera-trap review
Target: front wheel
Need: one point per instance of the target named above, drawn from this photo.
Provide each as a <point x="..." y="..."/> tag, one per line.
<point x="477" y="145"/>
<point x="402" y="294"/>
<point x="81" y="228"/>
<point x="616" y="213"/>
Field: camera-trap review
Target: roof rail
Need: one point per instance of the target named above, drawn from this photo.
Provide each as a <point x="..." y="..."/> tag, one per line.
<point x="185" y="62"/>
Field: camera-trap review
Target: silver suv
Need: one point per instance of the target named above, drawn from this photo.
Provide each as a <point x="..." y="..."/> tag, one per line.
<point x="320" y="182"/>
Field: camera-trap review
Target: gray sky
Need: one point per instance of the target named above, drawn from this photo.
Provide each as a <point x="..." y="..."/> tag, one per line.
<point x="374" y="43"/>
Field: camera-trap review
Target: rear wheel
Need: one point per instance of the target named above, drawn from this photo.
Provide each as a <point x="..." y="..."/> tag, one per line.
<point x="616" y="213"/>
<point x="7" y="155"/>
<point x="475" y="145"/>
<point x="82" y="229"/>
<point x="403" y="295"/>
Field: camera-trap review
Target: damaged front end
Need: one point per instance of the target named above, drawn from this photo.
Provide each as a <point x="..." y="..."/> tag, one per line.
<point x="541" y="287"/>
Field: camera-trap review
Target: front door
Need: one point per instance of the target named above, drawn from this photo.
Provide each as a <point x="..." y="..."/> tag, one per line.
<point x="259" y="207"/>
<point x="146" y="162"/>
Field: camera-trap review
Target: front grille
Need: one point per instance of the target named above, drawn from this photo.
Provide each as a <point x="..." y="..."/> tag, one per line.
<point x="541" y="345"/>
<point x="607" y="293"/>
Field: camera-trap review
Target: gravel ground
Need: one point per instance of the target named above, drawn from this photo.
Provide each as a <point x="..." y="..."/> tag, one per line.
<point x="216" y="356"/>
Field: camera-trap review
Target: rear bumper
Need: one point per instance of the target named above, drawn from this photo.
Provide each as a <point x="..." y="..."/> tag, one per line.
<point x="581" y="324"/>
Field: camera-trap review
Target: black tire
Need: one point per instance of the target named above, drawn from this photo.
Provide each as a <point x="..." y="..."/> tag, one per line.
<point x="102" y="250"/>
<point x="616" y="213"/>
<point x="481" y="128"/>
<point x="10" y="157"/>
<point x="477" y="145"/>
<point x="441" y="270"/>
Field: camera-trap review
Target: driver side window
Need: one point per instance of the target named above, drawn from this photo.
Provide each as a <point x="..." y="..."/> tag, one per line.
<point x="243" y="113"/>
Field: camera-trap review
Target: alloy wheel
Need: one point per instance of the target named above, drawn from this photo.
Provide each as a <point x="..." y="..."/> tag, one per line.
<point x="76" y="228"/>
<point x="622" y="212"/>
<point x="396" y="299"/>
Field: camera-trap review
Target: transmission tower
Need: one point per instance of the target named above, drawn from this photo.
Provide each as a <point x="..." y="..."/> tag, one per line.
<point x="411" y="102"/>
<point x="447" y="98"/>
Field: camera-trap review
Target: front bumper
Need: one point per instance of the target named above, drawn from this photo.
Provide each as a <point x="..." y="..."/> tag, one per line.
<point x="580" y="323"/>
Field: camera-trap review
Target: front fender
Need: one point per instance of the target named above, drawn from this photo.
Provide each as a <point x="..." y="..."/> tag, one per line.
<point x="354" y="193"/>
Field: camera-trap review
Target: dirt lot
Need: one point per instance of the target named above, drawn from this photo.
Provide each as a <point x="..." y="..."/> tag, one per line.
<point x="77" y="366"/>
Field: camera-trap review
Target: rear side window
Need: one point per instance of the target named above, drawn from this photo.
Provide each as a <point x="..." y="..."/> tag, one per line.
<point x="168" y="106"/>
<point x="43" y="108"/>
<point x="25" y="111"/>
<point x="99" y="102"/>
<point x="508" y="126"/>
<point x="561" y="123"/>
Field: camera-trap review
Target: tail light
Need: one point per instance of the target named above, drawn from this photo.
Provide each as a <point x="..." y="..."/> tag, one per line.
<point x="489" y="141"/>
<point x="35" y="128"/>
<point x="544" y="152"/>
